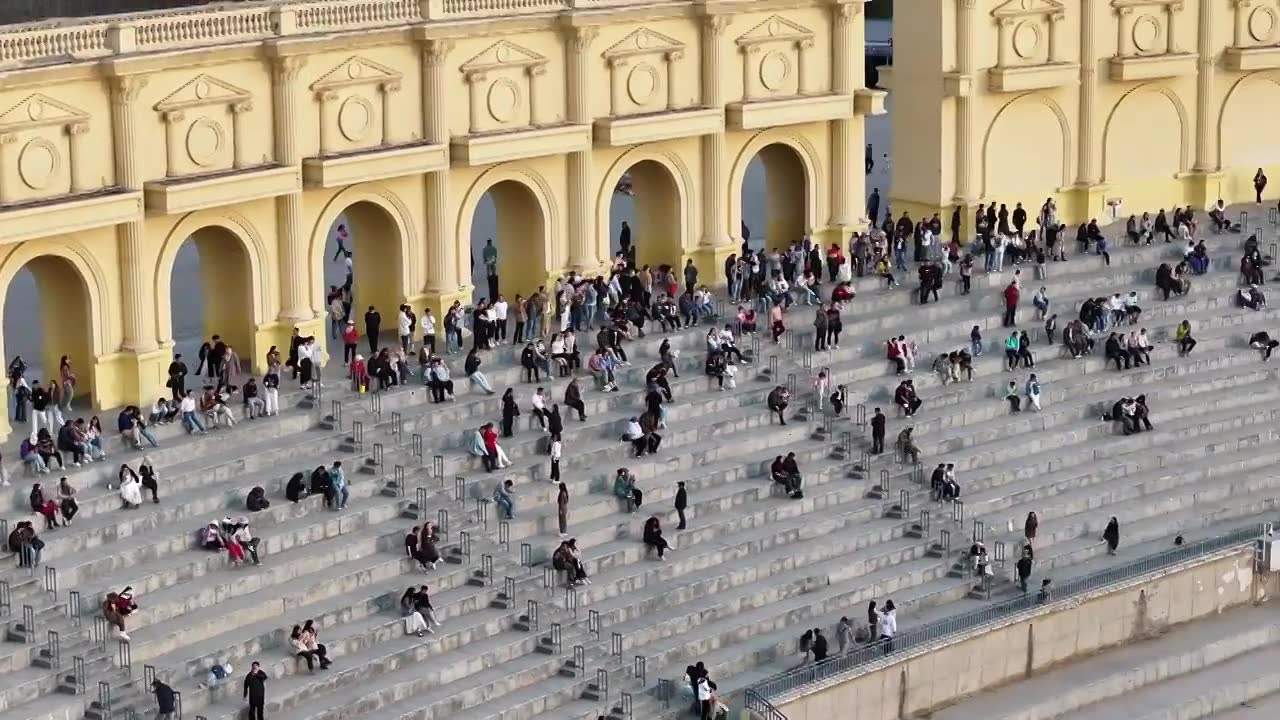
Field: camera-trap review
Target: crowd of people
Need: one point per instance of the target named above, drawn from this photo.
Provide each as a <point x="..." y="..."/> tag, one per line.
<point x="613" y="311"/>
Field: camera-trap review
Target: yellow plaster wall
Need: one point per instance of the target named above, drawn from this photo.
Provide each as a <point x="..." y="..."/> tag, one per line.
<point x="1179" y="136"/>
<point x="916" y="683"/>
<point x="113" y="156"/>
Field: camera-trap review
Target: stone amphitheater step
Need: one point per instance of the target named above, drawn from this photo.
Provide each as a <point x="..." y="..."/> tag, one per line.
<point x="594" y="605"/>
<point x="355" y="407"/>
<point x="1180" y="657"/>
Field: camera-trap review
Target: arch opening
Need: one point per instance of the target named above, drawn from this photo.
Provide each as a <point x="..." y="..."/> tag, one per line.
<point x="776" y="175"/>
<point x="364" y="265"/>
<point x="508" y="241"/>
<point x="211" y="293"/>
<point x="648" y="203"/>
<point x="46" y="316"/>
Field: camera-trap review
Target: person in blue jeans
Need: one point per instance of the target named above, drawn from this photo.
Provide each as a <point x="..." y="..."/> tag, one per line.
<point x="339" y="492"/>
<point x="504" y="495"/>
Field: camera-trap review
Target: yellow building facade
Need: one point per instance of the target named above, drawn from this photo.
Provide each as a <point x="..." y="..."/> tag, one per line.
<point x="251" y="128"/>
<point x="1127" y="104"/>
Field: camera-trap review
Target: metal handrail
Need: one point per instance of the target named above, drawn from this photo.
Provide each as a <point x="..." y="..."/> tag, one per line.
<point x="940" y="631"/>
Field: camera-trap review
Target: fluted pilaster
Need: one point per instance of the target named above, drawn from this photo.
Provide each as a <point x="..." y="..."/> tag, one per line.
<point x="1088" y="169"/>
<point x="582" y="249"/>
<point x="715" y="219"/>
<point x="1205" y="160"/>
<point x="842" y="135"/>
<point x="137" y="295"/>
<point x="442" y="251"/>
<point x="295" y="305"/>
<point x="965" y="12"/>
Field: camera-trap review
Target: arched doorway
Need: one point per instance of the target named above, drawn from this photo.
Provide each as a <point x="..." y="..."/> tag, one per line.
<point x="509" y="219"/>
<point x="372" y="240"/>
<point x="47" y="315"/>
<point x="211" y="293"/>
<point x="775" y="197"/>
<point x="646" y="197"/>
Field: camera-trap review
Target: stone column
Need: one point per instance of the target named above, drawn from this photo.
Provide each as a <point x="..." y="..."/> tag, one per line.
<point x="715" y="219"/>
<point x="965" y="12"/>
<point x="294" y="258"/>
<point x="843" y="148"/>
<point x="1087" y="172"/>
<point x="8" y="142"/>
<point x="1205" y="155"/>
<point x="672" y="57"/>
<point x="75" y="152"/>
<point x="386" y="89"/>
<point x="136" y="294"/>
<point x="582" y="250"/>
<point x="535" y="72"/>
<point x="237" y="132"/>
<point x="325" y="99"/>
<point x="442" y="252"/>
<point x="173" y="143"/>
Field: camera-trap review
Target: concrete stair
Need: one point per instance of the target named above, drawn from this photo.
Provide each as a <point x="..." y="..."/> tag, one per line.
<point x="753" y="569"/>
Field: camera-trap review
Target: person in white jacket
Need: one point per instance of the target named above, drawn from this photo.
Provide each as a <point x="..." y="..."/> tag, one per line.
<point x="888" y="625"/>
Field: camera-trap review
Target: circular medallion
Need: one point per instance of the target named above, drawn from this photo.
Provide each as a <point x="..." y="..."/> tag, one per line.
<point x="37" y="163"/>
<point x="503" y="98"/>
<point x="642" y="83"/>
<point x="202" y="89"/>
<point x="1146" y="31"/>
<point x="1026" y="38"/>
<point x="775" y="27"/>
<point x="774" y="69"/>
<point x="35" y="110"/>
<point x="354" y="70"/>
<point x="503" y="53"/>
<point x="1262" y="24"/>
<point x="642" y="40"/>
<point x="355" y="116"/>
<point x="204" y="140"/>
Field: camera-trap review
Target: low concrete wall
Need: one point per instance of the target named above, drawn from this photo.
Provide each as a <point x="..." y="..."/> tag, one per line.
<point x="918" y="682"/>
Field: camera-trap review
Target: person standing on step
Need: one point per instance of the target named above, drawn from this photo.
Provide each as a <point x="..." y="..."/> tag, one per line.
<point x="888" y="626"/>
<point x="682" y="503"/>
<point x="1011" y="295"/>
<point x="255" y="691"/>
<point x="820" y="650"/>
<point x="562" y="507"/>
<point x="556" y="449"/>
<point x="873" y="621"/>
<point x="1112" y="535"/>
<point x="844" y="634"/>
<point x="1030" y="527"/>
<point x="166" y="701"/>
<point x="878" y="420"/>
<point x="1024" y="569"/>
<point x="510" y="411"/>
<point x="372" y="326"/>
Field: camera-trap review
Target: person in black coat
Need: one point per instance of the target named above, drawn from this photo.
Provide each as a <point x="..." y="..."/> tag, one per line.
<point x="372" y="326"/>
<point x="819" y="646"/>
<point x="510" y="411"/>
<point x="555" y="424"/>
<point x="320" y="483"/>
<point x="257" y="500"/>
<point x="877" y="432"/>
<point x="1024" y="570"/>
<point x="1112" y="536"/>
<point x="682" y="502"/>
<point x="296" y="489"/>
<point x="166" y="702"/>
<point x="573" y="399"/>
<point x="255" y="691"/>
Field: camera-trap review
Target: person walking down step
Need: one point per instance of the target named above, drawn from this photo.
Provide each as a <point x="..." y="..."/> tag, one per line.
<point x="255" y="692"/>
<point x="166" y="701"/>
<point x="1111" y="535"/>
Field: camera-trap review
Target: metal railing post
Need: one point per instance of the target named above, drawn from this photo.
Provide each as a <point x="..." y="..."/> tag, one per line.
<point x="532" y="613"/>
<point x="526" y="556"/>
<point x="557" y="637"/>
<point x="75" y="610"/>
<point x="957" y="512"/>
<point x="99" y="634"/>
<point x="979" y="530"/>
<point x="124" y="656"/>
<point x="357" y="434"/>
<point x="104" y="698"/>
<point x="53" y="648"/>
<point x="51" y="580"/>
<point x="397" y="426"/>
<point x="486" y="568"/>
<point x="773" y="367"/>
<point x="944" y="540"/>
<point x="860" y="415"/>
<point x="421" y="501"/>
<point x="482" y="512"/>
<point x="6" y="598"/>
<point x="504" y="534"/>
<point x="509" y="589"/>
<point x="884" y="481"/>
<point x="615" y="645"/>
<point x="375" y="403"/>
<point x="904" y="501"/>
<point x="593" y="623"/>
<point x="442" y="523"/>
<point x="579" y="660"/>
<point x="638" y="667"/>
<point x="924" y="522"/>
<point x="78" y="674"/>
<point x="29" y="623"/>
<point x="602" y="682"/>
<point x="335" y="410"/>
<point x="998" y="550"/>
<point x="460" y="490"/>
<point x="791" y="384"/>
<point x="571" y="600"/>
<point x="626" y="705"/>
<point x="464" y="545"/>
<point x="397" y="477"/>
<point x="377" y="455"/>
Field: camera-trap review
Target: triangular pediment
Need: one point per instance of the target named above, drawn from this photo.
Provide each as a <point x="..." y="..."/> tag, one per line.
<point x="774" y="27"/>
<point x="502" y="54"/>
<point x="355" y="71"/>
<point x="37" y="110"/>
<point x="642" y="41"/>
<point x="202" y="90"/>
<point x="1022" y="8"/>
